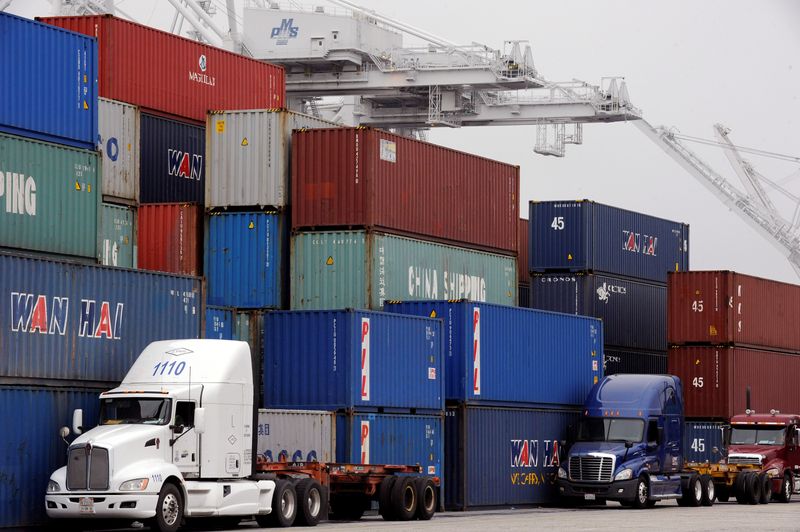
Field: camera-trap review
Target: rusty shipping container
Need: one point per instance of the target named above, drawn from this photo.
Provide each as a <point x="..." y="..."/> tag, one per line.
<point x="165" y="73"/>
<point x="715" y="380"/>
<point x="170" y="238"/>
<point x="728" y="308"/>
<point x="522" y="251"/>
<point x="366" y="178"/>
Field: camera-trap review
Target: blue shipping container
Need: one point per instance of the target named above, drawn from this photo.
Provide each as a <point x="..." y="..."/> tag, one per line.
<point x="70" y="321"/>
<point x="503" y="456"/>
<point x="30" y="449"/>
<point x="587" y="236"/>
<point x="399" y="439"/>
<point x="498" y="355"/>
<point x="246" y="259"/>
<point x="634" y="313"/>
<point x="219" y="323"/>
<point x="700" y="440"/>
<point x="331" y="360"/>
<point x="172" y="159"/>
<point x="48" y="83"/>
<point x="639" y="362"/>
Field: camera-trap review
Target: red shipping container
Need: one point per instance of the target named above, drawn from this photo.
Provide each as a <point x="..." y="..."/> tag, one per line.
<point x="170" y="238"/>
<point x="168" y="74"/>
<point x="522" y="252"/>
<point x="715" y="380"/>
<point x="728" y="308"/>
<point x="366" y="178"/>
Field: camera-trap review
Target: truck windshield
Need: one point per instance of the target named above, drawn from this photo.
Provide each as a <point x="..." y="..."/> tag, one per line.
<point x="135" y="410"/>
<point x="754" y="435"/>
<point x="610" y="429"/>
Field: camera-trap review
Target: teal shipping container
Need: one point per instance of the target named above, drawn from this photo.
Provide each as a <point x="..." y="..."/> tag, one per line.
<point x="116" y="237"/>
<point x="361" y="269"/>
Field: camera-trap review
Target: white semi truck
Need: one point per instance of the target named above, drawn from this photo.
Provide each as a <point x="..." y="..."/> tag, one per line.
<point x="175" y="441"/>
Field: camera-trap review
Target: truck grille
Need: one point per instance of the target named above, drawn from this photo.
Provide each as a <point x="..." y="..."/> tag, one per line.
<point x="591" y="468"/>
<point x="87" y="468"/>
<point x="744" y="459"/>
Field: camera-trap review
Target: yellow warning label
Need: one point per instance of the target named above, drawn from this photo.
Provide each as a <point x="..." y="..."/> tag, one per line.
<point x="89" y="188"/>
<point x="220" y="126"/>
<point x="251" y="225"/>
<point x="569" y="256"/>
<point x="432" y="314"/>
<point x="85" y="78"/>
<point x="245" y="142"/>
<point x="712" y="330"/>
<point x="329" y="262"/>
<point x="77" y="186"/>
<point x="595" y="380"/>
<point x="85" y="105"/>
<point x="697" y="362"/>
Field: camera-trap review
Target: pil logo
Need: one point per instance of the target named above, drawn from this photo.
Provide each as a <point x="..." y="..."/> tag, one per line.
<point x="185" y="165"/>
<point x="639" y="243"/>
<point x="285" y="31"/>
<point x="525" y="453"/>
<point x="35" y="313"/>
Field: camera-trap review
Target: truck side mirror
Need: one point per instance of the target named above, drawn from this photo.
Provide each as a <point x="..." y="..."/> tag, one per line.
<point x="726" y="436"/>
<point x="199" y="420"/>
<point x="77" y="421"/>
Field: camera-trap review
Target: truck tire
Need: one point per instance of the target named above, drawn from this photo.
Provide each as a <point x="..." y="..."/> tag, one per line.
<point x="348" y="507"/>
<point x="404" y="499"/>
<point x="692" y="491"/>
<point x="709" y="491"/>
<point x="427" y="500"/>
<point x="740" y="488"/>
<point x="785" y="495"/>
<point x="312" y="502"/>
<point x="169" y="509"/>
<point x="385" y="498"/>
<point x="753" y="488"/>
<point x="284" y="506"/>
<point x="723" y="493"/>
<point x="766" y="488"/>
<point x="642" y="493"/>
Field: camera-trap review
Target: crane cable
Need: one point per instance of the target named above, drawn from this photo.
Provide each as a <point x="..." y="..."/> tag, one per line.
<point x="744" y="149"/>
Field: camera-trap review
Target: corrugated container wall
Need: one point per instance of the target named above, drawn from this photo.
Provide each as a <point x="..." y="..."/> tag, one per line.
<point x="359" y="269"/>
<point x="49" y="83"/>
<point x="249" y="156"/>
<point x="296" y="436"/>
<point x="170" y="238"/>
<point x="716" y="380"/>
<point x="391" y="439"/>
<point x="163" y="72"/>
<point x="119" y="144"/>
<point x="49" y="197"/>
<point x="219" y="323"/>
<point x="522" y="251"/>
<point x="700" y="438"/>
<point x="730" y="308"/>
<point x="29" y="452"/>
<point x="587" y="236"/>
<point x="497" y="354"/>
<point x="641" y="362"/>
<point x="524" y="295"/>
<point x="246" y="259"/>
<point x="330" y="360"/>
<point x="172" y="161"/>
<point x="372" y="179"/>
<point x="87" y="323"/>
<point x="116" y="238"/>
<point x="503" y="456"/>
<point x="634" y="313"/>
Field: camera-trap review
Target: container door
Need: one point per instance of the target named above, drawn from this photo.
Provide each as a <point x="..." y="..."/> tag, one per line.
<point x="185" y="453"/>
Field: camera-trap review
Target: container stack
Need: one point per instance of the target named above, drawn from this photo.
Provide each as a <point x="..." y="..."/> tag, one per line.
<point x="514" y="380"/>
<point x="595" y="260"/>
<point x="730" y="333"/>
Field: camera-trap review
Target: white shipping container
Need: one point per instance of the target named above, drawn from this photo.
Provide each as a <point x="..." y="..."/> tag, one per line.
<point x="118" y="125"/>
<point x="296" y="435"/>
<point x="248" y="156"/>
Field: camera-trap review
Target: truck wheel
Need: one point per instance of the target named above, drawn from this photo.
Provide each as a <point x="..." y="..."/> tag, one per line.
<point x="753" y="488"/>
<point x="404" y="499"/>
<point x="312" y="502"/>
<point x="692" y="491"/>
<point x="426" y="498"/>
<point x="348" y="507"/>
<point x="785" y="495"/>
<point x="284" y="505"/>
<point x="740" y="488"/>
<point x="708" y="490"/>
<point x="385" y="498"/>
<point x="642" y="493"/>
<point x="169" y="509"/>
<point x="766" y="488"/>
<point x="723" y="493"/>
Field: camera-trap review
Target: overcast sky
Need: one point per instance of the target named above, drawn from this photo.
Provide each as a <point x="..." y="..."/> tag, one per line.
<point x="688" y="64"/>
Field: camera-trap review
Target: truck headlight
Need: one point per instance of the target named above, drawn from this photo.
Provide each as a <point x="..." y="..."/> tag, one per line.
<point x="562" y="473"/>
<point x="138" y="484"/>
<point x="625" y="474"/>
<point x="773" y="472"/>
<point x="53" y="487"/>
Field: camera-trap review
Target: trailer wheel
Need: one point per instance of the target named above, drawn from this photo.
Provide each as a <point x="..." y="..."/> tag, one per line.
<point x="766" y="488"/>
<point x="723" y="493"/>
<point x="385" y="498"/>
<point x="740" y="488"/>
<point x="404" y="499"/>
<point x="692" y="491"/>
<point x="785" y="495"/>
<point x="284" y="506"/>
<point x="642" y="493"/>
<point x="312" y="502"/>
<point x="426" y="498"/>
<point x="169" y="509"/>
<point x="708" y="490"/>
<point x="348" y="506"/>
<point x="753" y="488"/>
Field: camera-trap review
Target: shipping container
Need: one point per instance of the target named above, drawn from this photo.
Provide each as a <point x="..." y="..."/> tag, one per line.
<point x="366" y="178"/>
<point x="331" y="360"/>
<point x="172" y="161"/>
<point x="522" y="251"/>
<point x="49" y="83"/>
<point x="246" y="259"/>
<point x="170" y="238"/>
<point x="497" y="355"/>
<point x="524" y="295"/>
<point x="116" y="237"/>
<point x="634" y="313"/>
<point x="73" y="322"/>
<point x="715" y="380"/>
<point x="219" y="323"/>
<point x="49" y="198"/>
<point x="360" y="269"/>
<point x="503" y="456"/>
<point x="296" y="436"/>
<point x="30" y="449"/>
<point x="639" y="362"/>
<point x="119" y="144"/>
<point x="582" y="235"/>
<point x="162" y="72"/>
<point x="703" y="441"/>
<point x="249" y="155"/>
<point x="721" y="307"/>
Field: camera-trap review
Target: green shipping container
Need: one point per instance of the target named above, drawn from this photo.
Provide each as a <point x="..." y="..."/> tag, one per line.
<point x="116" y="239"/>
<point x="49" y="198"/>
<point x="360" y="269"/>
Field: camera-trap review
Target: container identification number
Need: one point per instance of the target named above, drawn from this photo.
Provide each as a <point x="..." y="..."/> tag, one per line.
<point x="698" y="445"/>
<point x="558" y="223"/>
<point x="171" y="368"/>
<point x="697" y="382"/>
